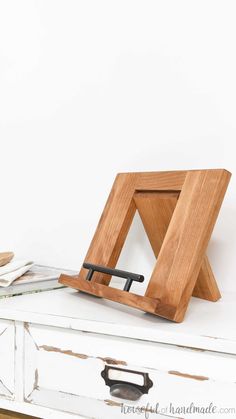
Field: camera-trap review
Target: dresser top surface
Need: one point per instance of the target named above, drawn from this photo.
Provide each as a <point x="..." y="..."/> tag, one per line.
<point x="207" y="325"/>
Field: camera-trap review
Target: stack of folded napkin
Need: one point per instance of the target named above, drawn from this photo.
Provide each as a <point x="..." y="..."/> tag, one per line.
<point x="12" y="268"/>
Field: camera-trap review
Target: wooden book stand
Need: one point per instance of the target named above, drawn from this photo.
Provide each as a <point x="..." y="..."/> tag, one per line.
<point x="178" y="210"/>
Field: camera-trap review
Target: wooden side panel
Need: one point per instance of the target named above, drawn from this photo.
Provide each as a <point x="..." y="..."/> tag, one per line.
<point x="113" y="227"/>
<point x="175" y="275"/>
<point x="156" y="210"/>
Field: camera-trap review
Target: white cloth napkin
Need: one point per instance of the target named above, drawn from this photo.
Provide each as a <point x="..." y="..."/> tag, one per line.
<point x="13" y="270"/>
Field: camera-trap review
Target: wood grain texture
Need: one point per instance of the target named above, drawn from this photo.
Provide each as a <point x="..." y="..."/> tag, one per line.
<point x="156" y="210"/>
<point x="113" y="227"/>
<point x="149" y="305"/>
<point x="179" y="210"/>
<point x="6" y="257"/>
<point x="7" y="414"/>
<point x="160" y="181"/>
<point x="206" y="286"/>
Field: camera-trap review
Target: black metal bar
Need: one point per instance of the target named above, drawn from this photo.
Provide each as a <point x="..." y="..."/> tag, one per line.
<point x="114" y="272"/>
<point x="90" y="274"/>
<point x="130" y="276"/>
<point x="128" y="284"/>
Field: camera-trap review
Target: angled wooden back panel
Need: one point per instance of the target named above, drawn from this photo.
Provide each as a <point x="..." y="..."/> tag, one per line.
<point x="156" y="211"/>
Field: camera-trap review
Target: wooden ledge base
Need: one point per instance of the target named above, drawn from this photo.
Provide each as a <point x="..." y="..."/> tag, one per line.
<point x="147" y="304"/>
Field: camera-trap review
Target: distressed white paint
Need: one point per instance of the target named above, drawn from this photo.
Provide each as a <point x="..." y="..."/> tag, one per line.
<point x="38" y="411"/>
<point x="207" y="325"/>
<point x="19" y="353"/>
<point x="138" y="354"/>
<point x="69" y="367"/>
<point x="7" y="358"/>
<point x="87" y="406"/>
<point x="58" y="353"/>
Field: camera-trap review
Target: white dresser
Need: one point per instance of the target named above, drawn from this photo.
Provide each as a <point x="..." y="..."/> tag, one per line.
<point x="64" y="354"/>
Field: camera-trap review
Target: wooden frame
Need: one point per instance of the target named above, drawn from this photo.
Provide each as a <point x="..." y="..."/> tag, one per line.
<point x="178" y="210"/>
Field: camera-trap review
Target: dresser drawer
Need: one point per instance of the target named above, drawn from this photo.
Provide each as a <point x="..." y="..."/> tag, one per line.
<point x="82" y="373"/>
<point x="7" y="359"/>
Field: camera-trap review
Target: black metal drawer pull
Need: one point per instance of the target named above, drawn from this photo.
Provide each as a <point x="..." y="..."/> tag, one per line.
<point x="126" y="389"/>
<point x="130" y="276"/>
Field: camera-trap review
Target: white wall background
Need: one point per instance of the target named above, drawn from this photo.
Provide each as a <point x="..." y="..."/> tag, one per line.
<point x="92" y="88"/>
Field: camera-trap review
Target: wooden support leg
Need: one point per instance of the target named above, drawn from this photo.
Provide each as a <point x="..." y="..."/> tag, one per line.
<point x="185" y="243"/>
<point x="112" y="228"/>
<point x="156" y="210"/>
